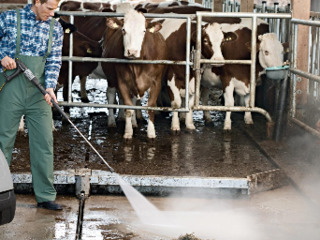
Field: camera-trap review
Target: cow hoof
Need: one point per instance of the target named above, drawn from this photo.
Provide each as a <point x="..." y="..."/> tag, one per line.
<point x="127" y="136"/>
<point x="84" y="100"/>
<point x="207" y="120"/>
<point x="175" y="132"/>
<point x="227" y="128"/>
<point x="112" y="125"/>
<point x="249" y="122"/>
<point x="151" y="136"/>
<point x="191" y="127"/>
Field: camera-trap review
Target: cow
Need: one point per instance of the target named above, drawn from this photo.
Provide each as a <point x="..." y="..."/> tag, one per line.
<point x="83" y="46"/>
<point x="236" y="77"/>
<point x="91" y="26"/>
<point x="133" y="38"/>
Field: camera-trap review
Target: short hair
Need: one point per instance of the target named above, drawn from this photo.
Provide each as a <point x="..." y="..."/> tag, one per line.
<point x="42" y="1"/>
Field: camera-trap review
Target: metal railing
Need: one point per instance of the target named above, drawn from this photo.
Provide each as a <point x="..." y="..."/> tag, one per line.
<point x="312" y="76"/>
<point x="72" y="58"/>
<point x="197" y="61"/>
<point x="252" y="62"/>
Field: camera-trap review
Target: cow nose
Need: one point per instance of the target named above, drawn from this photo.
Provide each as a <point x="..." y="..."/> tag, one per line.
<point x="132" y="53"/>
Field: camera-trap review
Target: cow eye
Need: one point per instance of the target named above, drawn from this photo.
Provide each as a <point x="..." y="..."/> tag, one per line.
<point x="266" y="53"/>
<point x="123" y="31"/>
<point x="205" y="41"/>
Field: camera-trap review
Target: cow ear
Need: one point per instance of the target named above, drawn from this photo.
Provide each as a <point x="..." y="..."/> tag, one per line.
<point x="285" y="47"/>
<point x="154" y="27"/>
<point x="142" y="10"/>
<point x="112" y="23"/>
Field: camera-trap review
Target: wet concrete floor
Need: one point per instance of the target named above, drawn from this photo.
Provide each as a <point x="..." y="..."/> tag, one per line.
<point x="287" y="212"/>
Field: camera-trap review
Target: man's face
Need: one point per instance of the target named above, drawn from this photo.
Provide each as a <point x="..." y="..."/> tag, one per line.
<point x="45" y="10"/>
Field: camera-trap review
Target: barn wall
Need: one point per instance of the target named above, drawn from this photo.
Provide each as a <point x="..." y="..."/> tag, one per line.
<point x="301" y="10"/>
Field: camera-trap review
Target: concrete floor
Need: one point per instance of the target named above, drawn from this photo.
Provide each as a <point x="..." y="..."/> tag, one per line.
<point x="280" y="214"/>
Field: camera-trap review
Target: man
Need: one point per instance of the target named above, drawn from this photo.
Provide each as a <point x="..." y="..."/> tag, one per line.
<point x="33" y="36"/>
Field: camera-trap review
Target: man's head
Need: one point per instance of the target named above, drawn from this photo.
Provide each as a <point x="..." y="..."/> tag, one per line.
<point x="44" y="8"/>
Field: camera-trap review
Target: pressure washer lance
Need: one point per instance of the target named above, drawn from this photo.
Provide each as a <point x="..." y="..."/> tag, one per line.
<point x="21" y="67"/>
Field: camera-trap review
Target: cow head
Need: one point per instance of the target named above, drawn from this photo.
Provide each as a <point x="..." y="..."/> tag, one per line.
<point x="133" y="31"/>
<point x="134" y="28"/>
<point x="212" y="39"/>
<point x="270" y="50"/>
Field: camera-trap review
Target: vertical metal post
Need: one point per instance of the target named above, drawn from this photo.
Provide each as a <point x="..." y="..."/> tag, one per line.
<point x="253" y="61"/>
<point x="276" y="22"/>
<point x="294" y="41"/>
<point x="188" y="26"/>
<point x="70" y="62"/>
<point x="197" y="60"/>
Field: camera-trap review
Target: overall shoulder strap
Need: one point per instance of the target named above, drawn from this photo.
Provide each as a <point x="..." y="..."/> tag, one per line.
<point x="50" y="39"/>
<point x="18" y="32"/>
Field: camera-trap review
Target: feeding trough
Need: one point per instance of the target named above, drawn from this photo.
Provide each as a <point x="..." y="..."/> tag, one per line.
<point x="277" y="73"/>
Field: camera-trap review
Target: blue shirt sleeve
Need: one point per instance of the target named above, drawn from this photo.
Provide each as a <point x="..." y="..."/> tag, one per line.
<point x="53" y="64"/>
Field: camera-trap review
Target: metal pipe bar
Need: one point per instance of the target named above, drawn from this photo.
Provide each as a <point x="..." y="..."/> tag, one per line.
<point x="305" y="74"/>
<point x="198" y="61"/>
<point x="118" y="60"/>
<point x="305" y="22"/>
<point x="305" y="127"/>
<point x="234" y="109"/>
<point x="188" y="49"/>
<point x="245" y="15"/>
<point x="253" y="61"/>
<point x="112" y="14"/>
<point x="70" y="62"/>
<point x="97" y="105"/>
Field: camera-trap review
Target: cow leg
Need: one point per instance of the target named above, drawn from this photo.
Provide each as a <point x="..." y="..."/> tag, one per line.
<point x="152" y="102"/>
<point x="111" y="95"/>
<point x="128" y="131"/>
<point x="204" y="100"/>
<point x="189" y="115"/>
<point x="229" y="102"/>
<point x="175" y="103"/>
<point x="134" y="115"/>
<point x="247" y="115"/>
<point x="83" y="92"/>
<point x="21" y="126"/>
<point x="139" y="112"/>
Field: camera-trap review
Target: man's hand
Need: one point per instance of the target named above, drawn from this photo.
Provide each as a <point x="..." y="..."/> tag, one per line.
<point x="50" y="95"/>
<point x="8" y="63"/>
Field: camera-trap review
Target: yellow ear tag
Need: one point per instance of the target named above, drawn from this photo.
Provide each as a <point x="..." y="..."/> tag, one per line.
<point x="151" y="30"/>
<point x="89" y="50"/>
<point x="67" y="30"/>
<point x="115" y="25"/>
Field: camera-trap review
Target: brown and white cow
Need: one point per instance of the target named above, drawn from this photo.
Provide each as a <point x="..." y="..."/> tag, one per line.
<point x="236" y="77"/>
<point x="132" y="39"/>
<point x="82" y="47"/>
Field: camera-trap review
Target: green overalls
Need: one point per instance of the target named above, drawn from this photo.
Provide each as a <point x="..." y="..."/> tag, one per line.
<point x="20" y="97"/>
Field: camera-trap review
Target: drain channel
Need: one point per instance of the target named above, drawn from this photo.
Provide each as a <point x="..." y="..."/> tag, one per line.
<point x="82" y="199"/>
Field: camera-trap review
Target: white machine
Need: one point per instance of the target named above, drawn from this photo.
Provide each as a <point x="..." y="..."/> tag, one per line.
<point x="7" y="196"/>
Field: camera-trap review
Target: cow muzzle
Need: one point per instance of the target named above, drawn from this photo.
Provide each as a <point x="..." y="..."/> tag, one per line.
<point x="132" y="54"/>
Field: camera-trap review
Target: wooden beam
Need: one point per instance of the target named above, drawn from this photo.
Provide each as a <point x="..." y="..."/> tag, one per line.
<point x="301" y="10"/>
<point x="246" y="5"/>
<point x="217" y="5"/>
